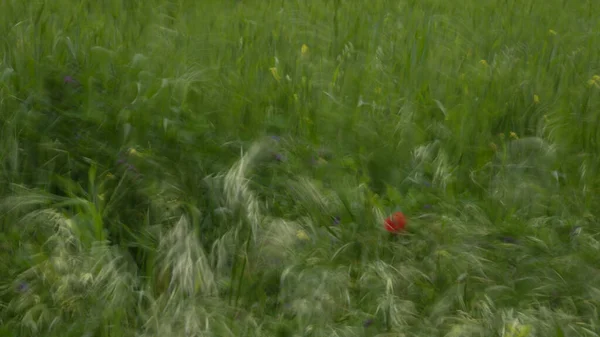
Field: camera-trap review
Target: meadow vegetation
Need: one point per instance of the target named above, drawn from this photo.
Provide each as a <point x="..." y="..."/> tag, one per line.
<point x="224" y="168"/>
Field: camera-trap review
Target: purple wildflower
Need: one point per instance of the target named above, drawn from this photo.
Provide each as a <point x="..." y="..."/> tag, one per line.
<point x="279" y="157"/>
<point x="22" y="287"/>
<point x="509" y="239"/>
<point x="70" y="80"/>
<point x="130" y="167"/>
<point x="368" y="323"/>
<point x="336" y="220"/>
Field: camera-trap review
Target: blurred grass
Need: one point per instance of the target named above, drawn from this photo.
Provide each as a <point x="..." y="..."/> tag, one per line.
<point x="224" y="168"/>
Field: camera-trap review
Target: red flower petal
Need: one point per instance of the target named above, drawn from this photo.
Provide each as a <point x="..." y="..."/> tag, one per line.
<point x="395" y="223"/>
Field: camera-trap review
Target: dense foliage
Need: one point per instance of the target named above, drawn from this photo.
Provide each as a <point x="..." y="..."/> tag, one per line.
<point x="225" y="168"/>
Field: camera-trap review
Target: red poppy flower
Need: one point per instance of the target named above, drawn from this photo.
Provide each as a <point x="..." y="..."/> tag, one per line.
<point x="395" y="223"/>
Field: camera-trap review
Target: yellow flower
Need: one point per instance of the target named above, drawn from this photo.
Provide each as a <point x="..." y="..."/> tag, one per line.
<point x="513" y="135"/>
<point x="301" y="235"/>
<point x="536" y="99"/>
<point x="442" y="253"/>
<point x="275" y="73"/>
<point x="133" y="152"/>
<point x="484" y="62"/>
<point x="110" y="176"/>
<point x="594" y="81"/>
<point x="552" y="32"/>
<point x="304" y="50"/>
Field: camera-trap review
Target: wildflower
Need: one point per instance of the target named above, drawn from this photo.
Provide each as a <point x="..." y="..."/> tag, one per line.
<point x="484" y="63"/>
<point x="275" y="73"/>
<point x="279" y="157"/>
<point x="70" y="80"/>
<point x="133" y="152"/>
<point x="301" y="235"/>
<point x="536" y="99"/>
<point x="336" y="220"/>
<point x="594" y="81"/>
<point x="23" y="287"/>
<point x="110" y="176"/>
<point x="395" y="223"/>
<point x="513" y="135"/>
<point x="493" y="146"/>
<point x="304" y="50"/>
<point x="367" y="323"/>
<point x="508" y="239"/>
<point x="552" y="32"/>
<point x="132" y="168"/>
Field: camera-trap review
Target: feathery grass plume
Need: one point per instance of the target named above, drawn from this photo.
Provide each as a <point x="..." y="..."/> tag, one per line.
<point x="277" y="242"/>
<point x="72" y="285"/>
<point x="313" y="199"/>
<point x="191" y="316"/>
<point x="238" y="195"/>
<point x="524" y="172"/>
<point x="532" y="152"/>
<point x="316" y="294"/>
<point x="433" y="157"/>
<point x="183" y="262"/>
<point x="384" y="287"/>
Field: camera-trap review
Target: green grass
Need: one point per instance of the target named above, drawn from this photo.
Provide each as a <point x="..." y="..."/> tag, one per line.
<point x="175" y="168"/>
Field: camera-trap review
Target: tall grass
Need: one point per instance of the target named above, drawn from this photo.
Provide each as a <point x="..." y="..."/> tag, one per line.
<point x="184" y="168"/>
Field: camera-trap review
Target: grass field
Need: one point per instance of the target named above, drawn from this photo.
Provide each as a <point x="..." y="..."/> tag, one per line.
<point x="224" y="168"/>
